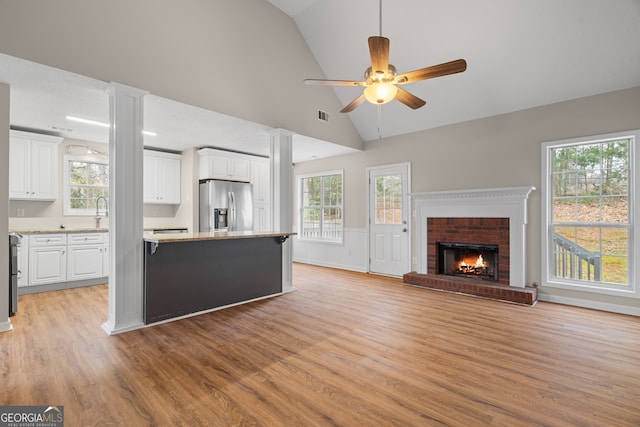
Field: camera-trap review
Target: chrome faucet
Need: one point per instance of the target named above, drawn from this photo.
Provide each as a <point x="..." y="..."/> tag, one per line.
<point x="106" y="210"/>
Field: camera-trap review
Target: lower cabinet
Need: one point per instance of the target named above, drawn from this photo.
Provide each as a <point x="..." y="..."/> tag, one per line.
<point x="23" y="262"/>
<point x="58" y="258"/>
<point x="105" y="256"/>
<point x="84" y="262"/>
<point x="47" y="264"/>
<point x="85" y="256"/>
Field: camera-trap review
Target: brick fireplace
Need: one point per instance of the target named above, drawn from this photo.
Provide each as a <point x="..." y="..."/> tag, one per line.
<point x="486" y="219"/>
<point x="469" y="231"/>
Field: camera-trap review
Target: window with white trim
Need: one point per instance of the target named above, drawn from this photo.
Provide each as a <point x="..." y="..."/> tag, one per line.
<point x="588" y="204"/>
<point x="321" y="207"/>
<point x="85" y="181"/>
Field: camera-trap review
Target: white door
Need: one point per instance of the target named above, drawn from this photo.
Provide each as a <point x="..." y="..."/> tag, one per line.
<point x="389" y="250"/>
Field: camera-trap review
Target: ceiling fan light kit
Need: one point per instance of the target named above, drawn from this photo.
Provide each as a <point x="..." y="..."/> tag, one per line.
<point x="380" y="80"/>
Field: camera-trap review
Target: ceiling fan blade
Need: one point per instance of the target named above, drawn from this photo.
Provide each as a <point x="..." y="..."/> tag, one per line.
<point x="409" y="99"/>
<point x="354" y="104"/>
<point x="379" y="52"/>
<point x="334" y="82"/>
<point x="457" y="66"/>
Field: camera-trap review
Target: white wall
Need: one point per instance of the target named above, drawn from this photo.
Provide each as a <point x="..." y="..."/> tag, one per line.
<point x="5" y="324"/>
<point x="499" y="151"/>
<point x="234" y="57"/>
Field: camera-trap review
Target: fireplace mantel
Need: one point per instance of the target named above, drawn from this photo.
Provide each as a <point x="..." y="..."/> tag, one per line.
<point x="508" y="202"/>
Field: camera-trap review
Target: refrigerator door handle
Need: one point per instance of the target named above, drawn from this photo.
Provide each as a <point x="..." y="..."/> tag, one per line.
<point x="232" y="208"/>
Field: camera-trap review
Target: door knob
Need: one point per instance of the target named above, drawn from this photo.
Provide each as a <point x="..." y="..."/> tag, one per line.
<point x="404" y="230"/>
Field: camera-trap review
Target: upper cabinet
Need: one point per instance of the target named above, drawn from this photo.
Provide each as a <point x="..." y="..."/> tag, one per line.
<point x="261" y="180"/>
<point x="161" y="177"/>
<point x="33" y="166"/>
<point x="217" y="164"/>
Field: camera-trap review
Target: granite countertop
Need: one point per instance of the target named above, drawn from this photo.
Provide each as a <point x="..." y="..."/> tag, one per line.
<point x="216" y="235"/>
<point x="58" y="230"/>
<point x="78" y="230"/>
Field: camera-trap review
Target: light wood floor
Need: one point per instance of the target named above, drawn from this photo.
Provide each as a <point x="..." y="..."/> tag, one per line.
<point x="345" y="349"/>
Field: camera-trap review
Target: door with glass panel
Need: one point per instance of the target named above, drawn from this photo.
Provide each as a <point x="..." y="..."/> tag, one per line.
<point x="389" y="214"/>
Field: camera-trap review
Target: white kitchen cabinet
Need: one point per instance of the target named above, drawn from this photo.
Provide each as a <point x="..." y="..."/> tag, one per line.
<point x="33" y="166"/>
<point x="47" y="258"/>
<point x="161" y="178"/>
<point x="23" y="262"/>
<point x="105" y="256"/>
<point x="262" y="218"/>
<point x="84" y="256"/>
<point x="219" y="164"/>
<point x="261" y="180"/>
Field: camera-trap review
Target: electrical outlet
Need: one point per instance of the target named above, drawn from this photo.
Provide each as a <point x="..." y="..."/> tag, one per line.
<point x="20" y="212"/>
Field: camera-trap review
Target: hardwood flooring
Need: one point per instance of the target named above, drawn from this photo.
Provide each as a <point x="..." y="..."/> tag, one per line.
<point x="345" y="349"/>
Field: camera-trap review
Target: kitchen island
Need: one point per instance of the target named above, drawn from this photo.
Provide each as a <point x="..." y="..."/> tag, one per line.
<point x="189" y="273"/>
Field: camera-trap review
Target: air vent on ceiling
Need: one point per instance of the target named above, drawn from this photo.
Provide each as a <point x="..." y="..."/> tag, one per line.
<point x="323" y="116"/>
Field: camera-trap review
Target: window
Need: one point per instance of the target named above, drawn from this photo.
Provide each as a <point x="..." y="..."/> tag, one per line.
<point x="588" y="198"/>
<point x="85" y="181"/>
<point x="321" y="207"/>
<point x="388" y="199"/>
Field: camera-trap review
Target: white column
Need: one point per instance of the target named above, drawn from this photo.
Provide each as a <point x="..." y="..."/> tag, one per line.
<point x="5" y="323"/>
<point x="125" y="210"/>
<point x="282" y="196"/>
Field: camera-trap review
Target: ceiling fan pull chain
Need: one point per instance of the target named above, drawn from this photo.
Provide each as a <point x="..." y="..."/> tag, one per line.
<point x="380" y="13"/>
<point x="379" y="121"/>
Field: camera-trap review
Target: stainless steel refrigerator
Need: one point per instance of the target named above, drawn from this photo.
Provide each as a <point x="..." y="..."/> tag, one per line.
<point x="225" y="206"/>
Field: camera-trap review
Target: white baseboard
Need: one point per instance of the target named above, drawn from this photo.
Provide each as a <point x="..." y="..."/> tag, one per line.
<point x="6" y="326"/>
<point x="596" y="305"/>
<point x="332" y="265"/>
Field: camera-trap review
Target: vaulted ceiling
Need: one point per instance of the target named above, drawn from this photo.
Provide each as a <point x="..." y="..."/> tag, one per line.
<point x="520" y="53"/>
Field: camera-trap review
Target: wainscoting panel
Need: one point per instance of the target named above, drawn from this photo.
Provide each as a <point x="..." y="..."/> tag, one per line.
<point x="351" y="255"/>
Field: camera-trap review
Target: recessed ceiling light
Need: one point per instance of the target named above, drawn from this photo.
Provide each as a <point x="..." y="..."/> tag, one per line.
<point x="102" y="124"/>
<point x="87" y="121"/>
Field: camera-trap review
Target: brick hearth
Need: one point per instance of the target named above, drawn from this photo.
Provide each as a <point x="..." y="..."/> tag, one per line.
<point x="527" y="296"/>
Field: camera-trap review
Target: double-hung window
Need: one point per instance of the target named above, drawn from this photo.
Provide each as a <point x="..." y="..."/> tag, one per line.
<point x="86" y="180"/>
<point x="321" y="207"/>
<point x="590" y="213"/>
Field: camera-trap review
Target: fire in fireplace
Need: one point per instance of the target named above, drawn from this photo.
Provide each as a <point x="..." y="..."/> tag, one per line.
<point x="466" y="260"/>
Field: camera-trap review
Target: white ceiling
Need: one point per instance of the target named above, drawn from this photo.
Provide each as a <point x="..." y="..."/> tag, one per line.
<point x="42" y="97"/>
<point x="520" y="53"/>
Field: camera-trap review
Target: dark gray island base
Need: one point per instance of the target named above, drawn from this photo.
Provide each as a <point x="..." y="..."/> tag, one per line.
<point x="186" y="274"/>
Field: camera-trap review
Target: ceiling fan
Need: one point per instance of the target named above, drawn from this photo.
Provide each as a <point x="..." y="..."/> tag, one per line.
<point x="381" y="80"/>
